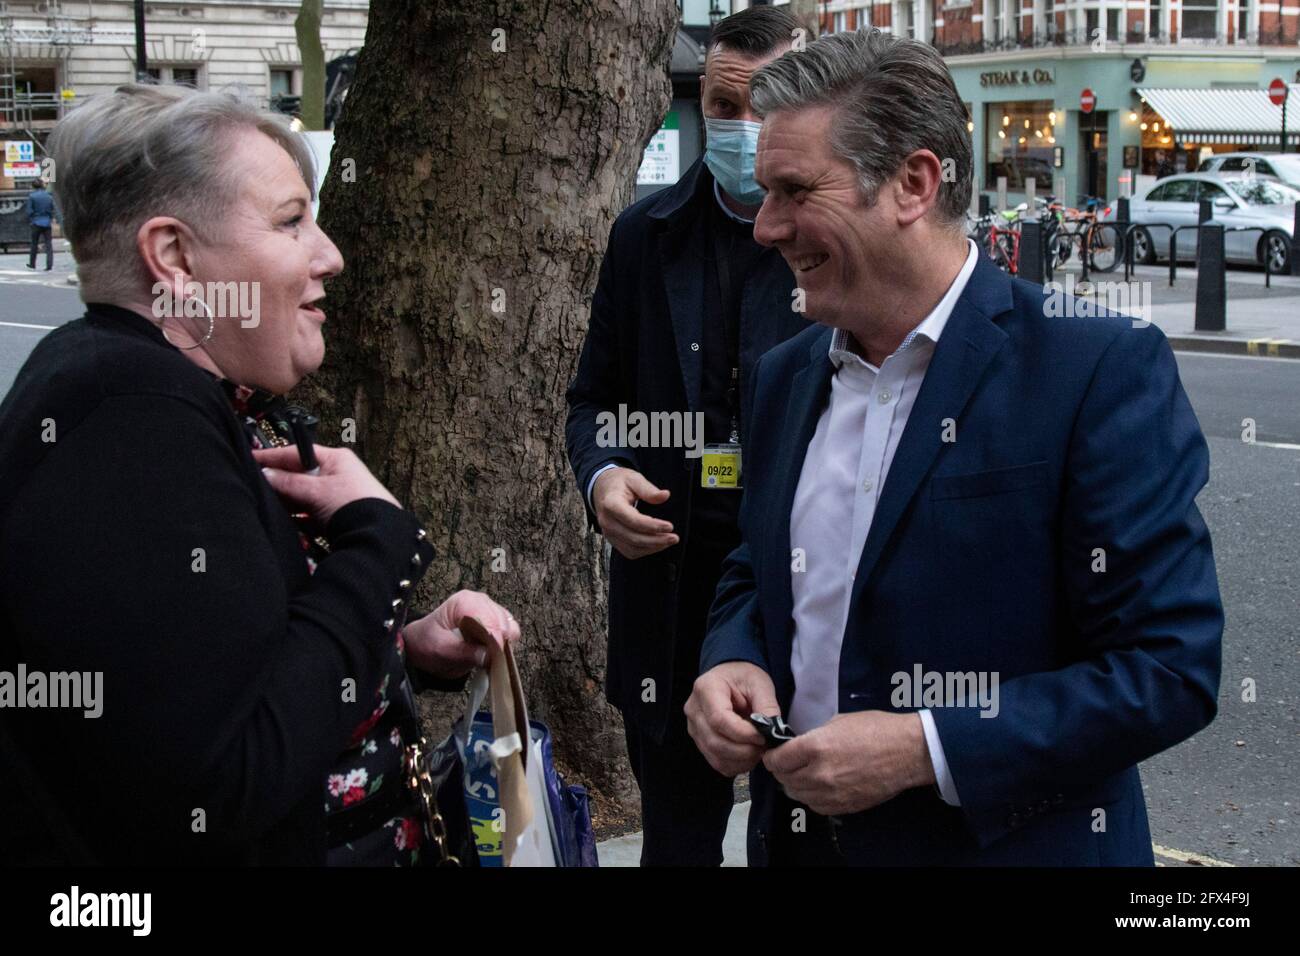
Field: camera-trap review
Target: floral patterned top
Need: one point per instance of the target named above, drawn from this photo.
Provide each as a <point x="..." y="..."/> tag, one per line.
<point x="373" y="757"/>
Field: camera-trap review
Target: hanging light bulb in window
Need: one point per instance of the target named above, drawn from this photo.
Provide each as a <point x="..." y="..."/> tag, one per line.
<point x="1051" y="117"/>
<point x="1002" y="134"/>
<point x="1006" y="120"/>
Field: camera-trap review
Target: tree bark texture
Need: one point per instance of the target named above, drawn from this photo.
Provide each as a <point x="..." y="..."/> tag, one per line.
<point x="486" y="147"/>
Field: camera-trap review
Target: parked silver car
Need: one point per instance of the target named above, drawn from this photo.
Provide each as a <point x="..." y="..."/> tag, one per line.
<point x="1266" y="207"/>
<point x="1279" y="167"/>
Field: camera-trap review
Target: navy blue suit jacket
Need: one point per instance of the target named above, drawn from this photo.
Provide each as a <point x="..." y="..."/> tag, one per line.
<point x="1071" y="435"/>
<point x="642" y="350"/>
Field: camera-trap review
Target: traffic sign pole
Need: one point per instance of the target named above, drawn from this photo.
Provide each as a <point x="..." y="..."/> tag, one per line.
<point x="1278" y="95"/>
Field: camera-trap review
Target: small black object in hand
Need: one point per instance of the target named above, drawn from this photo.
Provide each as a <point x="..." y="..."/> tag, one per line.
<point x="774" y="730"/>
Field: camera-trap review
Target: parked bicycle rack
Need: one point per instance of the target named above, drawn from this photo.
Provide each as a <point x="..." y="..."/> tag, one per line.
<point x="1128" y="242"/>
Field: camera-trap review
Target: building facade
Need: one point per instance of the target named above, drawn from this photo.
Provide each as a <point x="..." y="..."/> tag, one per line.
<point x="56" y="53"/>
<point x="1168" y="82"/>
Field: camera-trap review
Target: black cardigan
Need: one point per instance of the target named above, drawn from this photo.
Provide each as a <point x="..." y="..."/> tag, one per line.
<point x="223" y="670"/>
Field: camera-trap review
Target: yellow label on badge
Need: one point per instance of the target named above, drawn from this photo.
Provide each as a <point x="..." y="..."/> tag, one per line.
<point x="720" y="467"/>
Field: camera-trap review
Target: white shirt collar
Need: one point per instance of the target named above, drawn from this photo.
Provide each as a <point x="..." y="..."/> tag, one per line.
<point x="930" y="328"/>
<point x="717" y="194"/>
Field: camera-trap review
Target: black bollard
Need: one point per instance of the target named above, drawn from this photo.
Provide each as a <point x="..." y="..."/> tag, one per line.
<point x="986" y="206"/>
<point x="1211" y="282"/>
<point x="1204" y="211"/>
<point x="1031" y="252"/>
<point x="1295" y="242"/>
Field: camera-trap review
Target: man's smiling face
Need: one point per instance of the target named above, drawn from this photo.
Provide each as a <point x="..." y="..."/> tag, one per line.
<point x="816" y="217"/>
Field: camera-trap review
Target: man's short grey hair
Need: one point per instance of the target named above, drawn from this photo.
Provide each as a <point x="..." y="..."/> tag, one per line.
<point x="892" y="97"/>
<point x="151" y="150"/>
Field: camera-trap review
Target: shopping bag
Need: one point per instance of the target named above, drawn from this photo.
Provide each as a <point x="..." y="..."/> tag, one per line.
<point x="505" y="790"/>
<point x="520" y="811"/>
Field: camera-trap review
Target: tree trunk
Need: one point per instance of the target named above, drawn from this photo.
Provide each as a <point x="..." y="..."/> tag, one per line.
<point x="484" y="152"/>
<point x="306" y="28"/>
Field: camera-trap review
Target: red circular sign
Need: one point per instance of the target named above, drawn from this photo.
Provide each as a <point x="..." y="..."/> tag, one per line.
<point x="1277" y="92"/>
<point x="1087" y="101"/>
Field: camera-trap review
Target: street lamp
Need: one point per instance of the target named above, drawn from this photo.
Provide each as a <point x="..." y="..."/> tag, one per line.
<point x="715" y="12"/>
<point x="141" y="64"/>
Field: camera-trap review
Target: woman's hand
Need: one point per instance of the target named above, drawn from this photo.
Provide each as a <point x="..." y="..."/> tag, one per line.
<point x="434" y="642"/>
<point x="342" y="479"/>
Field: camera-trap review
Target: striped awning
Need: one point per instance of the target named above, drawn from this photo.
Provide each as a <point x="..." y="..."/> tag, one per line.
<point x="1224" y="116"/>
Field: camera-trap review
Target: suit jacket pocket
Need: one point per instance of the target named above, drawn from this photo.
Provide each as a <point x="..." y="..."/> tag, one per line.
<point x="979" y="484"/>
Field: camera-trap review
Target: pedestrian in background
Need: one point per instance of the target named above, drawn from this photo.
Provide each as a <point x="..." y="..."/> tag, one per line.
<point x="40" y="215"/>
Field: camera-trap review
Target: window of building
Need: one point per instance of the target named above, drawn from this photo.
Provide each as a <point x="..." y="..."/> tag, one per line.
<point x="1091" y="24"/>
<point x="179" y="75"/>
<point x="1200" y="19"/>
<point x="1243" y="21"/>
<point x="1153" y="18"/>
<point x="840" y="22"/>
<point x="1020" y="139"/>
<point x="282" y="82"/>
<point x="1001" y="19"/>
<point x="903" y="25"/>
<point x="1113" y="29"/>
<point x="36" y="88"/>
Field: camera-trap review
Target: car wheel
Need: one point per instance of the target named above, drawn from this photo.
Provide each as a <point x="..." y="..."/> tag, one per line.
<point x="1277" y="247"/>
<point x="1144" y="250"/>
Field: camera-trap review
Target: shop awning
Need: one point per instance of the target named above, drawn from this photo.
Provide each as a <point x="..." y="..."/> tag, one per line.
<point x="1224" y="116"/>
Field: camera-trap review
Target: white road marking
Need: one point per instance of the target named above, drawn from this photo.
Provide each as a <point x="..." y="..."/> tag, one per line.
<point x="1276" y="444"/>
<point x="1182" y="856"/>
<point x="1224" y="355"/>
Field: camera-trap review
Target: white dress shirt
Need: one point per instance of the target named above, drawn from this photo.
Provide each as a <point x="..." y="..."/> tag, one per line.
<point x="839" y="487"/>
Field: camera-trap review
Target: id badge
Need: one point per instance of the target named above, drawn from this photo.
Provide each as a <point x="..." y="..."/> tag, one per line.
<point x="720" y="468"/>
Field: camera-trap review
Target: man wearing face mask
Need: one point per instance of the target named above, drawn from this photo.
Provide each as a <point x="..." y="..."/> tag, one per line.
<point x="685" y="304"/>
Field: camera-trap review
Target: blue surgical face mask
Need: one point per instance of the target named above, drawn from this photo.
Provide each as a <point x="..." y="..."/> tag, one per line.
<point x="729" y="154"/>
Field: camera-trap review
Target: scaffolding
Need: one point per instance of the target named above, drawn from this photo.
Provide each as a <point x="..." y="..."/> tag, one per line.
<point x="61" y="32"/>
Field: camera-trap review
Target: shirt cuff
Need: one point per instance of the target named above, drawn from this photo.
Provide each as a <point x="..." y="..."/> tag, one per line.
<point x="943" y="779"/>
<point x="592" y="484"/>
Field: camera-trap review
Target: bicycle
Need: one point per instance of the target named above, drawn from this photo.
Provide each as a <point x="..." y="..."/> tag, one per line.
<point x="1100" y="241"/>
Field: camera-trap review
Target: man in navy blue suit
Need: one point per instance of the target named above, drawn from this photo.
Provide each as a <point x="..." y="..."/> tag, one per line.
<point x="972" y="575"/>
<point x="685" y="304"/>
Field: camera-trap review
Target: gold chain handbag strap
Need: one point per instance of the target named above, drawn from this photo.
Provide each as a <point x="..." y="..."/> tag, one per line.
<point x="420" y="782"/>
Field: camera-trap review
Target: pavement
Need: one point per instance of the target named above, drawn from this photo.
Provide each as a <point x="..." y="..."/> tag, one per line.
<point x="1260" y="319"/>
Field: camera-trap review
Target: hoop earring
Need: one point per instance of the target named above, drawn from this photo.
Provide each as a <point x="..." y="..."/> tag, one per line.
<point x="212" y="327"/>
